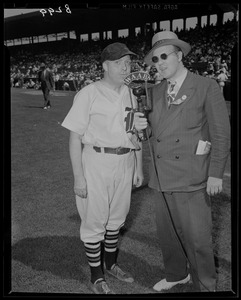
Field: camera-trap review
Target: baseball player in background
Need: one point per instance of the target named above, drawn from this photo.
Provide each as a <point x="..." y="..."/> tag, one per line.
<point x="106" y="159"/>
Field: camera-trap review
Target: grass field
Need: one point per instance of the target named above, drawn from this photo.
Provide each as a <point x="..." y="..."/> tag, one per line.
<point x="46" y="253"/>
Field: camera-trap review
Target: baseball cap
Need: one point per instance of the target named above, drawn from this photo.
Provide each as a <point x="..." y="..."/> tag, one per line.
<point x="115" y="51"/>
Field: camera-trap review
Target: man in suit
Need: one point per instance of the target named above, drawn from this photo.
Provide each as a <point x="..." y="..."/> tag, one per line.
<point x="45" y="76"/>
<point x="190" y="138"/>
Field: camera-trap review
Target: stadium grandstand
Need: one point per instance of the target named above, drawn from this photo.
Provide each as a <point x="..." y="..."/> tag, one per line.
<point x="43" y="256"/>
<point x="70" y="39"/>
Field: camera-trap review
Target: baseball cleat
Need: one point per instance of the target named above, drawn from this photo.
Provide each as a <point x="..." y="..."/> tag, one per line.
<point x="118" y="273"/>
<point x="100" y="287"/>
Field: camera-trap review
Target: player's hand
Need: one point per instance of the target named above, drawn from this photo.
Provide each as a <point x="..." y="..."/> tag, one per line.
<point x="214" y="186"/>
<point x="80" y="187"/>
<point x="138" y="179"/>
<point x="140" y="122"/>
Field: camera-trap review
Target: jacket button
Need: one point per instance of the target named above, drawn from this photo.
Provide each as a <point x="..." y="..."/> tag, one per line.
<point x="158" y="156"/>
<point x="158" y="140"/>
<point x="177" y="156"/>
<point x="177" y="140"/>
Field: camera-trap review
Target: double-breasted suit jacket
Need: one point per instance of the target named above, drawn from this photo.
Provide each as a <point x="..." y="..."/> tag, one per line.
<point x="177" y="130"/>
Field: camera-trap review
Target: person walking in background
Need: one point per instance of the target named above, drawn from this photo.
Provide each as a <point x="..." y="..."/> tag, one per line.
<point x="222" y="78"/>
<point x="56" y="81"/>
<point x="66" y="86"/>
<point x="45" y="77"/>
<point x="190" y="136"/>
<point x="106" y="159"/>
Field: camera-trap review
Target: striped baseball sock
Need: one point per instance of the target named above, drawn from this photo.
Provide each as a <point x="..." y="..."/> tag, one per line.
<point x="111" y="241"/>
<point x="93" y="253"/>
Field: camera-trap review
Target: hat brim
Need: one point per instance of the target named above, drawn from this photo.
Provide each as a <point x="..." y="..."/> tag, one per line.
<point x="185" y="47"/>
<point x="129" y="53"/>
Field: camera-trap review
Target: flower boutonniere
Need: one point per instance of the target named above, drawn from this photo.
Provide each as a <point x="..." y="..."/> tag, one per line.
<point x="179" y="100"/>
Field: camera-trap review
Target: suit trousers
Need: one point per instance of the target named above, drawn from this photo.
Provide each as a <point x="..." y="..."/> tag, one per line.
<point x="46" y="94"/>
<point x="191" y="215"/>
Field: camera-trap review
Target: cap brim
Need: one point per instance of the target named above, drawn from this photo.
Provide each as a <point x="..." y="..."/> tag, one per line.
<point x="128" y="53"/>
<point x="118" y="57"/>
<point x="185" y="47"/>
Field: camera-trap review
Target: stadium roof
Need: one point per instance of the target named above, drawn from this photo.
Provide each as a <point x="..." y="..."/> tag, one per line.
<point x="105" y="18"/>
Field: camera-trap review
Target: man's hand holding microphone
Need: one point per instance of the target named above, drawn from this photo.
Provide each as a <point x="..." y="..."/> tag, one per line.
<point x="140" y="121"/>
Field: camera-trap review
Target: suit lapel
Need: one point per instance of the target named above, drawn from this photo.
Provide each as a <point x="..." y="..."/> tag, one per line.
<point x="159" y="95"/>
<point x="168" y="115"/>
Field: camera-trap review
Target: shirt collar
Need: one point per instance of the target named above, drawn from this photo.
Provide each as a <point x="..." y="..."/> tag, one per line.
<point x="179" y="80"/>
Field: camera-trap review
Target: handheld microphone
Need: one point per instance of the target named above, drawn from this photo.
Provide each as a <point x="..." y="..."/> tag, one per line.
<point x="139" y="82"/>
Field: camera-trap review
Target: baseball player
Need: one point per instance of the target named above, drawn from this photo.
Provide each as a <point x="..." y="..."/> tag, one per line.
<point x="106" y="159"/>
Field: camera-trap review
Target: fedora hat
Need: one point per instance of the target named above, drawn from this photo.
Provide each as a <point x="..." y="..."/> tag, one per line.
<point x="164" y="38"/>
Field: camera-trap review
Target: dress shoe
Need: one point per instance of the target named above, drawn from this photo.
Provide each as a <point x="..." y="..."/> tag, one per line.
<point x="166" y="285"/>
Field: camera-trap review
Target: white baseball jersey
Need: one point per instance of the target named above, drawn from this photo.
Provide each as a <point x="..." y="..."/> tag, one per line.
<point x="105" y="119"/>
<point x="103" y="116"/>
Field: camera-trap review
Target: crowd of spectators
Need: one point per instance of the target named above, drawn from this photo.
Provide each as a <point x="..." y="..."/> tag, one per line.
<point x="80" y="63"/>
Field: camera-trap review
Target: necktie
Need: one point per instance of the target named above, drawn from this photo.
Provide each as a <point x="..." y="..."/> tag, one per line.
<point x="171" y="93"/>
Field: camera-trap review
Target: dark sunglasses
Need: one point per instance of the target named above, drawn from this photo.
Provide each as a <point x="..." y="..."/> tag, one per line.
<point x="163" y="56"/>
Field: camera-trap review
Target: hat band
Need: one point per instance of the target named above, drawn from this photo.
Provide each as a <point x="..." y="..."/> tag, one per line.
<point x="160" y="42"/>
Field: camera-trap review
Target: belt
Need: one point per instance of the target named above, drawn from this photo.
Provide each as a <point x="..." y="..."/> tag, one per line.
<point x="118" y="151"/>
